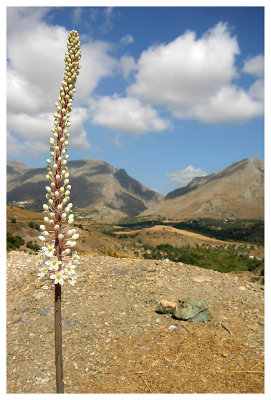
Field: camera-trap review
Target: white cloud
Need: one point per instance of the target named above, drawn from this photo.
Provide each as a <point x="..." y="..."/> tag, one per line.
<point x="182" y="177"/>
<point x="126" y="115"/>
<point x="190" y="73"/>
<point x="35" y="129"/>
<point x="257" y="90"/>
<point x="255" y="66"/>
<point x="95" y="65"/>
<point x="127" y="39"/>
<point x="127" y="65"/>
<point x="34" y="72"/>
<point x="228" y="104"/>
<point x="108" y="24"/>
<point x="14" y="148"/>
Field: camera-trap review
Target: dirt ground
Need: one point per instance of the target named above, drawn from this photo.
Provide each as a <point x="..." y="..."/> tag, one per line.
<point x="115" y="342"/>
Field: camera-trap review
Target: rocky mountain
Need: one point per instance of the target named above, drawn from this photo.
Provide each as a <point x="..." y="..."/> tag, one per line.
<point x="237" y="191"/>
<point x="98" y="189"/>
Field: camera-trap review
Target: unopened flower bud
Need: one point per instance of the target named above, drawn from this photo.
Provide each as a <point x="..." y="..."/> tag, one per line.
<point x="45" y="207"/>
<point x="56" y="227"/>
<point x="42" y="227"/>
<point x="42" y="238"/>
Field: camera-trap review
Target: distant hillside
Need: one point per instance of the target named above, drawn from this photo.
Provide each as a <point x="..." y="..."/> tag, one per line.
<point x="98" y="189"/>
<point x="237" y="191"/>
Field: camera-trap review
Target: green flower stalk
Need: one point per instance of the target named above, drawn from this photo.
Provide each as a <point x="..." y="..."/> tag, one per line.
<point x="56" y="262"/>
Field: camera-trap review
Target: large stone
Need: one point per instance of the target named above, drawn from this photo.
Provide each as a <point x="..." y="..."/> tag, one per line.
<point x="201" y="317"/>
<point x="185" y="310"/>
<point x="166" y="307"/>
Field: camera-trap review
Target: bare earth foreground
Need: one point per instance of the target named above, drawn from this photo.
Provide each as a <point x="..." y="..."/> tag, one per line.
<point x="115" y="342"/>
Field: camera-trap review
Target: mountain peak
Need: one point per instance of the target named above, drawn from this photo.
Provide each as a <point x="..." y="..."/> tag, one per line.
<point x="237" y="191"/>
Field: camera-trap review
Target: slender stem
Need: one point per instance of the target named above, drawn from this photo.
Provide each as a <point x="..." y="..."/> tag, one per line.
<point x="58" y="341"/>
<point x="58" y="253"/>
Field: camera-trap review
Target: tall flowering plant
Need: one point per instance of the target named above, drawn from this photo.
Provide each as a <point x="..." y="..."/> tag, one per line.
<point x="56" y="262"/>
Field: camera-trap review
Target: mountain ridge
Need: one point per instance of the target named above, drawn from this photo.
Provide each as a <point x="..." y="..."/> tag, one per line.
<point x="235" y="192"/>
<point x="97" y="187"/>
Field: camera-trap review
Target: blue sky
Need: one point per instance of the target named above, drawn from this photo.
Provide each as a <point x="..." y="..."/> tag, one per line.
<point x="167" y="93"/>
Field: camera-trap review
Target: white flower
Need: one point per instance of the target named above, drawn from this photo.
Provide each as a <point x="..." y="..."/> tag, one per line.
<point x="41" y="256"/>
<point x="75" y="258"/>
<point x="58" y="277"/>
<point x="49" y="250"/>
<point x="53" y="263"/>
<point x="70" y="269"/>
<point x="72" y="280"/>
<point x="42" y="272"/>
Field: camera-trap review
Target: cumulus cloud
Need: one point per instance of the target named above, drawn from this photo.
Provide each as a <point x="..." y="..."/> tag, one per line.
<point x="96" y="64"/>
<point x="255" y="66"/>
<point x="35" y="69"/>
<point x="35" y="129"/>
<point x="126" y="115"/>
<point x="190" y="73"/>
<point x="14" y="147"/>
<point x="127" y="39"/>
<point x="182" y="177"/>
<point x="127" y="65"/>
